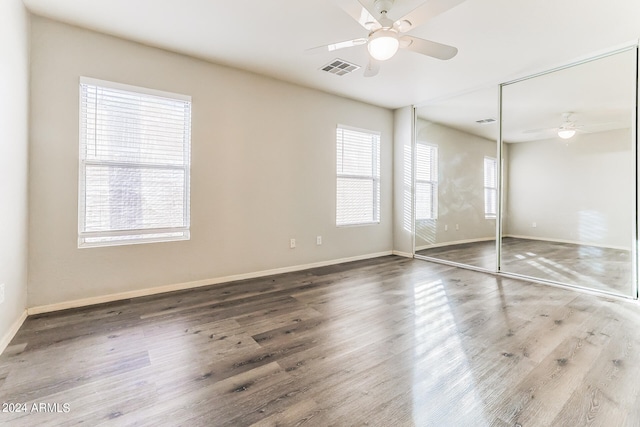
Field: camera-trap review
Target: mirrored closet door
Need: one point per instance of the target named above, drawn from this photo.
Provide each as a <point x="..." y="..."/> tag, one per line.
<point x="455" y="179"/>
<point x="569" y="178"/>
<point x="553" y="174"/>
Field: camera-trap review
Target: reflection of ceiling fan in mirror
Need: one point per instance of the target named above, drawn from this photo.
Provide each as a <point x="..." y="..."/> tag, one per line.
<point x="568" y="127"/>
<point x="387" y="36"/>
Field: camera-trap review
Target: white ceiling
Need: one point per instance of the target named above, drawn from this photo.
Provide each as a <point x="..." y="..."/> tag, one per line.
<point x="498" y="40"/>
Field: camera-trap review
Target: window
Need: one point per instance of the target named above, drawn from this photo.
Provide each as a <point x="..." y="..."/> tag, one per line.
<point x="358" y="177"/>
<point x="490" y="188"/>
<point x="426" y="181"/>
<point x="134" y="165"/>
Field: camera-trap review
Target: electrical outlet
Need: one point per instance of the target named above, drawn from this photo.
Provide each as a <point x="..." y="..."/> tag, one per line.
<point x="1" y="293"/>
<point x="318" y="240"/>
<point x="534" y="225"/>
<point x="457" y="227"/>
<point x="292" y="243"/>
<point x="446" y="227"/>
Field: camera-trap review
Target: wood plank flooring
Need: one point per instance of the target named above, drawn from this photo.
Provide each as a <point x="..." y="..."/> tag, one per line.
<point x="477" y="254"/>
<point x="592" y="267"/>
<point x="383" y="342"/>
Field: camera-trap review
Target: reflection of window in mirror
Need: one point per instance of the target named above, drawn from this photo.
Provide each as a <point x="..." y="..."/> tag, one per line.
<point x="490" y="188"/>
<point x="426" y="181"/>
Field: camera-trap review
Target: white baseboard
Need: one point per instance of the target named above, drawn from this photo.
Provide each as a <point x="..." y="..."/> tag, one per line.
<point x="454" y="242"/>
<point x="572" y="242"/>
<point x="404" y="254"/>
<point x="190" y="285"/>
<point x="6" y="339"/>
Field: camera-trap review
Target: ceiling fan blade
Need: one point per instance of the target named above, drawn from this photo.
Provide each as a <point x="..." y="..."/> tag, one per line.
<point x="335" y="46"/>
<point x="601" y="127"/>
<point x="540" y="130"/>
<point x="427" y="47"/>
<point x="357" y="11"/>
<point x="372" y="68"/>
<point x="424" y="12"/>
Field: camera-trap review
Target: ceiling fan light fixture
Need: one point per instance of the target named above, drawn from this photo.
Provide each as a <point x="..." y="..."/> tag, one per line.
<point x="567" y="129"/>
<point x="383" y="44"/>
<point x="566" y="133"/>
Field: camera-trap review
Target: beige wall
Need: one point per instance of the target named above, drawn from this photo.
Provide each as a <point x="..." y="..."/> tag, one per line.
<point x="14" y="97"/>
<point x="460" y="187"/>
<point x="581" y="191"/>
<point x="402" y="181"/>
<point x="263" y="171"/>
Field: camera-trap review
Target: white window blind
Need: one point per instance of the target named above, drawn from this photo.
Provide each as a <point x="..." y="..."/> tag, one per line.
<point x="426" y="181"/>
<point x="358" y="177"/>
<point x="490" y="187"/>
<point x="134" y="164"/>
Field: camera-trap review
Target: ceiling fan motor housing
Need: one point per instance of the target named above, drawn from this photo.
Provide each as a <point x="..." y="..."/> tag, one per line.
<point x="383" y="6"/>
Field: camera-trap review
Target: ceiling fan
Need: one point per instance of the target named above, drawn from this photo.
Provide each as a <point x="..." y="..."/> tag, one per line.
<point x="387" y="36"/>
<point x="568" y="127"/>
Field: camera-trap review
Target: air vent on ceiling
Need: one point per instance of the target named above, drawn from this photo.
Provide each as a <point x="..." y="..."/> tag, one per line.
<point x="340" y="67"/>
<point x="485" y="121"/>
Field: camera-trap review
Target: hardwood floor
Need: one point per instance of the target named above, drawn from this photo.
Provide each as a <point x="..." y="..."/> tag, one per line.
<point x="477" y="254"/>
<point x="383" y="342"/>
<point x="592" y="267"/>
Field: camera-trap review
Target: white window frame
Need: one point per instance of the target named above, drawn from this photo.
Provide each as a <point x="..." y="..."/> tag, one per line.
<point x="374" y="176"/>
<point x="490" y="189"/>
<point x="88" y="239"/>
<point x="431" y="181"/>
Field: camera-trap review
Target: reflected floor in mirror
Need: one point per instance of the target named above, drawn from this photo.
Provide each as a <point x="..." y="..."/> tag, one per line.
<point x="477" y="254"/>
<point x="591" y="267"/>
<point x="587" y="266"/>
<point x="384" y="342"/>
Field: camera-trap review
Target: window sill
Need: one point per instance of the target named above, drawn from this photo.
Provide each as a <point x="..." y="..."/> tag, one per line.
<point x="360" y="224"/>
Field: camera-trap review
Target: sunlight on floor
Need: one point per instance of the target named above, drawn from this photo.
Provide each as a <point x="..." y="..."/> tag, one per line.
<point x="438" y="391"/>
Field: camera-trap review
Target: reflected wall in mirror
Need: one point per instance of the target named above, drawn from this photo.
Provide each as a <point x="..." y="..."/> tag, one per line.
<point x="570" y="175"/>
<point x="455" y="179"/>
